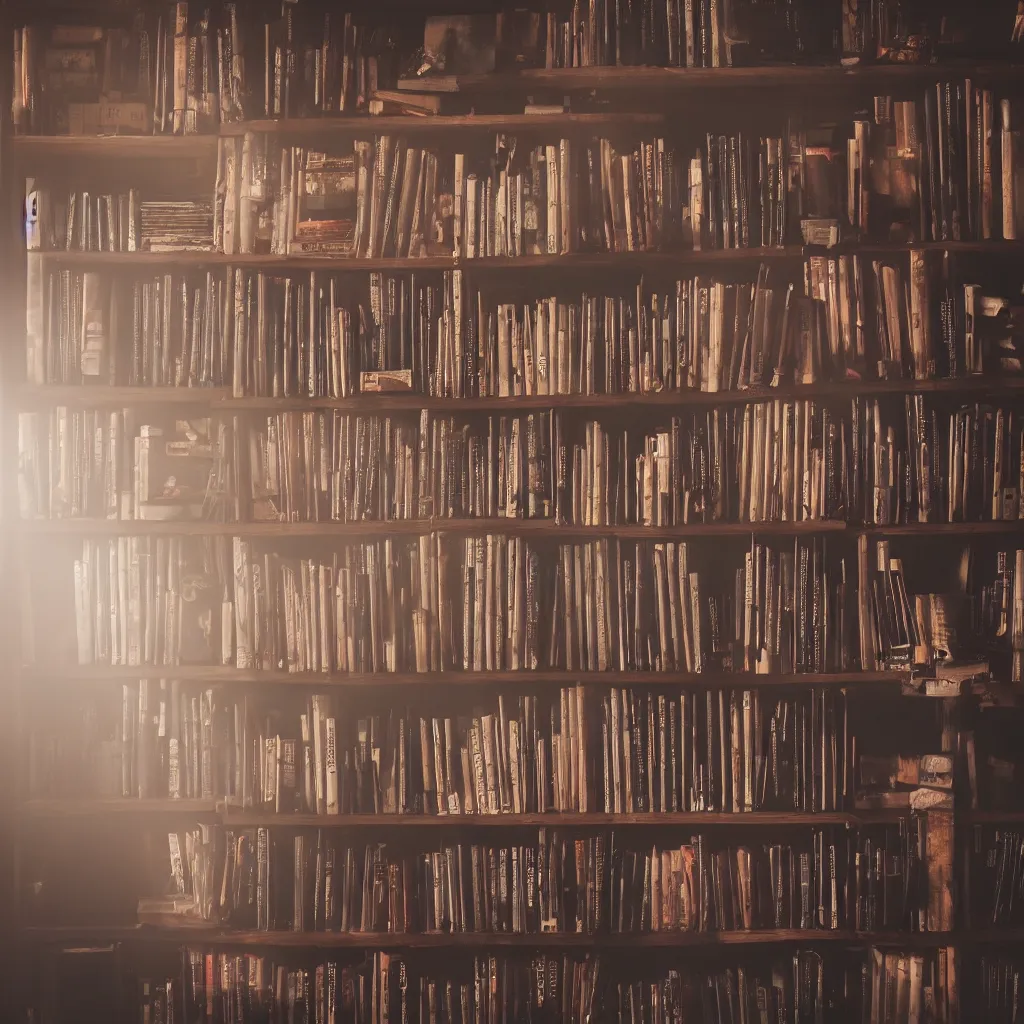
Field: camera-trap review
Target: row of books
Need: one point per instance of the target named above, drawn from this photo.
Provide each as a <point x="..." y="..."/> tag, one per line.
<point x="194" y="68"/>
<point x="140" y="600"/>
<point x="764" y="462"/>
<point x="975" y="612"/>
<point x="924" y="464"/>
<point x="492" y="602"/>
<point x="388" y="198"/>
<point x="218" y="988"/>
<point x="180" y="72"/>
<point x="105" y="464"/>
<point x="608" y="605"/>
<point x="143" y="740"/>
<point x="802" y="986"/>
<point x="884" y="878"/>
<point x="999" y="980"/>
<point x="472" y="604"/>
<point x="91" y="328"/>
<point x="787" y="459"/>
<point x="616" y="751"/>
<point x="117" y="223"/>
<point x="992" y="878"/>
<point x="324" y="335"/>
<point x="694" y="752"/>
<point x="680" y="34"/>
<point x="587" y="750"/>
<point x="942" y="168"/>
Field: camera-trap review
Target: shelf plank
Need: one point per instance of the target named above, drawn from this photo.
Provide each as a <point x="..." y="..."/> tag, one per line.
<point x="220" y="400"/>
<point x="567" y="261"/>
<point x="703" y="80"/>
<point x="990" y="817"/>
<point x="475" y="940"/>
<point x="29" y="150"/>
<point x="993" y="528"/>
<point x="530" y="528"/>
<point x="270" y="262"/>
<point x="85" y="807"/>
<point x="683" y="819"/>
<point x="412" y="125"/>
<point x="554" y="677"/>
<point x="86" y="395"/>
<point x="580" y="261"/>
<point x="88" y="807"/>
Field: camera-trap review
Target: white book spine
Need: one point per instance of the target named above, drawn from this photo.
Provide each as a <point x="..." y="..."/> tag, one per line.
<point x="243" y="604"/>
<point x="472" y="190"/>
<point x="460" y="178"/>
<point x="554" y="229"/>
<point x="332" y="767"/>
<point x="1008" y="153"/>
<point x="697" y="201"/>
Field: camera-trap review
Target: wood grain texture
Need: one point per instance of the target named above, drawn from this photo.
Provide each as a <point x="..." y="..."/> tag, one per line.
<point x="220" y="400"/>
<point x="479" y="940"/>
<point x="556" y="677"/>
<point x="369" y="529"/>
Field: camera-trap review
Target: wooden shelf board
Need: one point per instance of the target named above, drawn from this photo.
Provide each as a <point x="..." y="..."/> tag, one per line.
<point x="682" y="819"/>
<point x="32" y="149"/>
<point x="529" y="528"/>
<point x="554" y="677"/>
<point x="87" y="807"/>
<point x="993" y="528"/>
<point x="990" y="817"/>
<point x="366" y="127"/>
<point x="220" y="400"/>
<point x="476" y="940"/>
<point x="538" y="528"/>
<point x="256" y="260"/>
<point x="578" y="261"/>
<point x="569" y="261"/>
<point x="96" y="394"/>
<point x="701" y="80"/>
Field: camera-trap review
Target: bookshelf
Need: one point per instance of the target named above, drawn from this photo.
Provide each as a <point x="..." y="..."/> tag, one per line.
<point x="845" y="552"/>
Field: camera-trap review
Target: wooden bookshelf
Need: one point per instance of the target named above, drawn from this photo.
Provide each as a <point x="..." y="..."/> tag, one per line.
<point x="668" y="91"/>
